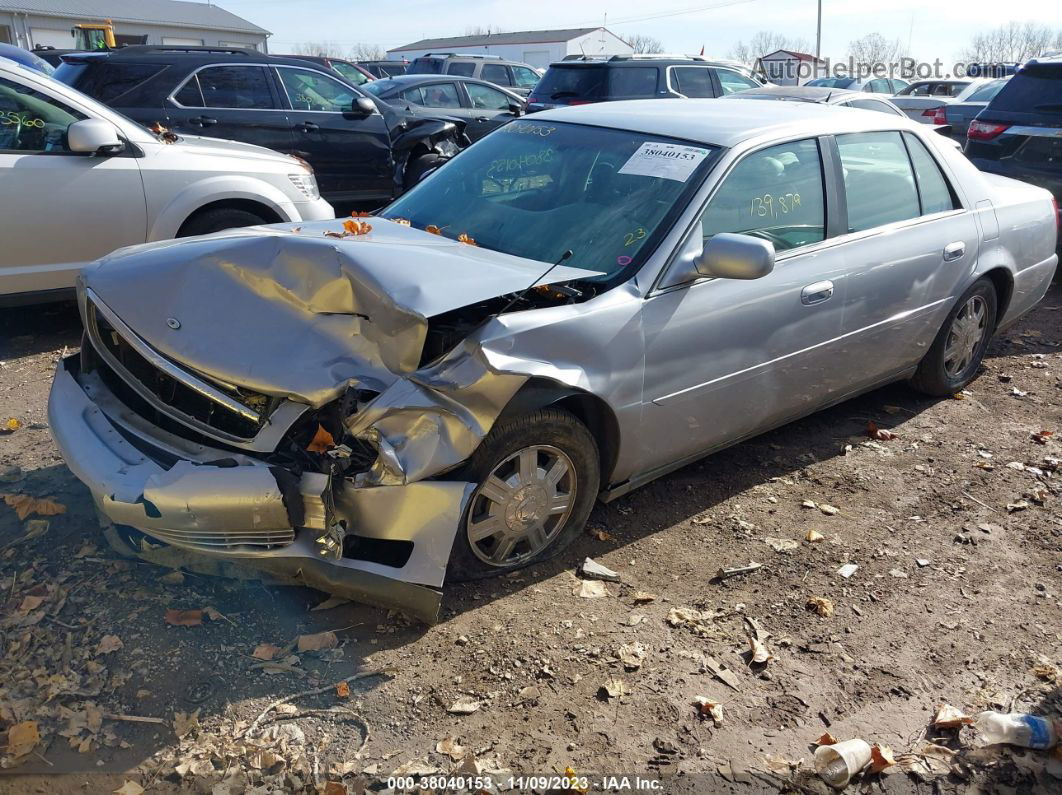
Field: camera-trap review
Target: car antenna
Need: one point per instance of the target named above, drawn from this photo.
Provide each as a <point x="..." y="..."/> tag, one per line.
<point x="519" y="296"/>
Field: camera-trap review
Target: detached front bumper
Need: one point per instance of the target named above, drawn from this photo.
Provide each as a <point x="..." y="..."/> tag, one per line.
<point x="240" y="509"/>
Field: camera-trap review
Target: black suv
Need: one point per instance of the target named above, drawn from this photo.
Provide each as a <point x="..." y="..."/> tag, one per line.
<point x="1019" y="133"/>
<point x="517" y="77"/>
<point x="348" y="70"/>
<point x="384" y="69"/>
<point x="579" y="80"/>
<point x="364" y="152"/>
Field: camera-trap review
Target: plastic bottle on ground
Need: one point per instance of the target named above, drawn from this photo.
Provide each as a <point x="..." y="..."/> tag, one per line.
<point x="1016" y="728"/>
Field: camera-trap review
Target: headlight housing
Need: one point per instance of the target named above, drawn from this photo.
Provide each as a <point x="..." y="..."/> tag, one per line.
<point x="306" y="184"/>
<point x="446" y="147"/>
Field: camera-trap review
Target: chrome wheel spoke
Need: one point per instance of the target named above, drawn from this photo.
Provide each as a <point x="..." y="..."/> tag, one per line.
<point x="528" y="465"/>
<point x="485" y="528"/>
<point x="556" y="473"/>
<point x="503" y="550"/>
<point x="537" y="537"/>
<point x="496" y="490"/>
<point x="559" y="503"/>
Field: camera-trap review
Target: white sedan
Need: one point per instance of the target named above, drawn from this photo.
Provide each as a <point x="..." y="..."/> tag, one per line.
<point x="80" y="181"/>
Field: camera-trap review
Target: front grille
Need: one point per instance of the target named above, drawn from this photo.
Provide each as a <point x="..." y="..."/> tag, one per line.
<point x="226" y="540"/>
<point x="185" y="402"/>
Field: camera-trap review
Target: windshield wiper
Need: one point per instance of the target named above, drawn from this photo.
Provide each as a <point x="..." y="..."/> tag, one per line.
<point x="559" y="94"/>
<point x="1051" y="107"/>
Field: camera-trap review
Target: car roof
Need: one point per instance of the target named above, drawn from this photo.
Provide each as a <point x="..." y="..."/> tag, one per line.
<point x="727" y="121"/>
<point x="186" y="55"/>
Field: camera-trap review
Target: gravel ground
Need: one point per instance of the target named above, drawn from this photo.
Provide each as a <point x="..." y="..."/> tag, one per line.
<point x="955" y="526"/>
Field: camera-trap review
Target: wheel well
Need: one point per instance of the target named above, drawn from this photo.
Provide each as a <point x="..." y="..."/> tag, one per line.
<point x="1004" y="284"/>
<point x="266" y="213"/>
<point x="589" y="409"/>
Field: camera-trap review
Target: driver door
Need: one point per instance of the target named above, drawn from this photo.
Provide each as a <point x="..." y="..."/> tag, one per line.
<point x="61" y="209"/>
<point x="726" y="358"/>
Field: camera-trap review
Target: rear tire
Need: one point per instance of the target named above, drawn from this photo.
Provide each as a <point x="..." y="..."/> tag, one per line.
<point x="218" y="220"/>
<point x="537" y="478"/>
<point x="955" y="357"/>
<point x="418" y="167"/>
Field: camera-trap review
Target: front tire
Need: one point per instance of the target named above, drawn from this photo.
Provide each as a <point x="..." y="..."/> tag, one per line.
<point x="218" y="220"/>
<point x="955" y="357"/>
<point x="537" y="478"/>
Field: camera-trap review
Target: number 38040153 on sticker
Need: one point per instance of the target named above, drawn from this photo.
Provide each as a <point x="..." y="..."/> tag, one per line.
<point x="669" y="161"/>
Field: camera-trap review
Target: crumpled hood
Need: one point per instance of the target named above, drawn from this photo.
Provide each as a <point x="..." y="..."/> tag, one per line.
<point x="299" y="314"/>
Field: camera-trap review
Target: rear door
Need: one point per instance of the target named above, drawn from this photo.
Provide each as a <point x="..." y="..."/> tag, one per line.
<point x="43" y="245"/>
<point x="234" y="101"/>
<point x="730" y="82"/>
<point x="351" y="154"/>
<point x="910" y="246"/>
<point x="496" y="73"/>
<point x="692" y="81"/>
<point x="489" y="108"/>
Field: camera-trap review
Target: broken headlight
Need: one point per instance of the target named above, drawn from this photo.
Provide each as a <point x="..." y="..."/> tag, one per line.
<point x="306" y="185"/>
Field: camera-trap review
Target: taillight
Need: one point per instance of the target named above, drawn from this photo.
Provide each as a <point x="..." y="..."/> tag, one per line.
<point x="984" y="131"/>
<point x="580" y="101"/>
<point x="936" y="115"/>
<point x="1058" y="221"/>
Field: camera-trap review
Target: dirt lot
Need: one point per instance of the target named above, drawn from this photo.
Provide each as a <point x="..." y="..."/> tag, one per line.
<point x="956" y="600"/>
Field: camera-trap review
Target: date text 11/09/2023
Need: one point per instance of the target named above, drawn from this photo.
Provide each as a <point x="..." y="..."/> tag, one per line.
<point x="537" y="783"/>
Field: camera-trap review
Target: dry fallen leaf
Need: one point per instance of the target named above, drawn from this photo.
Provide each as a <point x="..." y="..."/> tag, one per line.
<point x="1042" y="437"/>
<point x="881" y="757"/>
<point x="757" y="640"/>
<point x="400" y="221"/>
<point x="265" y="651"/>
<point x="642" y="597"/>
<point x="342" y="690"/>
<point x="25" y="505"/>
<point x="184" y="618"/>
<point x="882" y="435"/>
<point x="711" y="709"/>
<point x="10" y="426"/>
<point x="463" y="238"/>
<point x="129" y="788"/>
<point x="814" y="536"/>
<point x="829" y="510"/>
<point x="450" y="747"/>
<point x="826" y="739"/>
<point x="614" y="688"/>
<point x="30" y="603"/>
<point x="464" y="706"/>
<point x="334" y="788"/>
<point x="22" y="737"/>
<point x="184" y="724"/>
<point x="781" y="544"/>
<point x="322" y="441"/>
<point x="631" y="655"/>
<point x="330" y="602"/>
<point x="356" y="228"/>
<point x="318" y="641"/>
<point x="949" y="717"/>
<point x="432" y="229"/>
<point x="109" y="644"/>
<point x="821" y="605"/>
<point x="590" y="589"/>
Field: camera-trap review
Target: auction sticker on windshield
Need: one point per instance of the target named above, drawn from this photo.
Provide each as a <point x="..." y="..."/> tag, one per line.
<point x="670" y="161"/>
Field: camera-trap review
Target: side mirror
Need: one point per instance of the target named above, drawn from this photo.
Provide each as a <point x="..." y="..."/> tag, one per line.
<point x="516" y="109"/>
<point x="94" y="136"/>
<point x="362" y="107"/>
<point x="729" y="256"/>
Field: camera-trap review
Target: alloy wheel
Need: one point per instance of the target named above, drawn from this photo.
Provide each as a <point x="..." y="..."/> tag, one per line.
<point x="967" y="331"/>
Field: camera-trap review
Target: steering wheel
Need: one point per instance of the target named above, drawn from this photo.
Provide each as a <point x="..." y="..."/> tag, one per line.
<point x="16" y="133"/>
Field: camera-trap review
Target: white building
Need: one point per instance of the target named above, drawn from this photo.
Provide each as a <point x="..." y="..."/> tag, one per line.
<point x="48" y="23"/>
<point x="790" y="68"/>
<point x="539" y="48"/>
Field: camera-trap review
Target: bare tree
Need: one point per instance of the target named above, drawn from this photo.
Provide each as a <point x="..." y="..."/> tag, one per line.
<point x="367" y="52"/>
<point x="645" y="44"/>
<point x="765" y="42"/>
<point x="319" y="49"/>
<point x="875" y="49"/>
<point x="1014" y="42"/>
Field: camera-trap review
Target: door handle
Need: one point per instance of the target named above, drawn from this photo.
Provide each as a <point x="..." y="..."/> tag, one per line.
<point x="482" y="118"/>
<point x="816" y="293"/>
<point x="202" y="121"/>
<point x="954" y="251"/>
<point x="309" y="126"/>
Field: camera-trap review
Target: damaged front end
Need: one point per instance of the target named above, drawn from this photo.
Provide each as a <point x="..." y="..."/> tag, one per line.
<point x="262" y="398"/>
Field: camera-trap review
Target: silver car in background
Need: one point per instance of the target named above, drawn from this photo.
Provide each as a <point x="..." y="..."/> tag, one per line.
<point x="579" y="303"/>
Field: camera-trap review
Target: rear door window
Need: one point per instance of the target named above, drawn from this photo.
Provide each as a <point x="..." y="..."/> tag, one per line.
<point x="878" y="181"/>
<point x="436" y="95"/>
<point x="495" y="73"/>
<point x="632" y="81"/>
<point x="235" y="87"/>
<point x="933" y="190"/>
<point x="487" y="98"/>
<point x="308" y="90"/>
<point x="524" y="77"/>
<point x="461" y="68"/>
<point x="426" y="66"/>
<point x="692" y="81"/>
<point x="775" y="194"/>
<point x="731" y="82"/>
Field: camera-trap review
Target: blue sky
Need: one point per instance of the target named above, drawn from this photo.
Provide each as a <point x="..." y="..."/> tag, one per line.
<point x="939" y="28"/>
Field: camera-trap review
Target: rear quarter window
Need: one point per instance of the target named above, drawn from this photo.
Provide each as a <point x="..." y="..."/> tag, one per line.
<point x="110" y="83"/>
<point x="583" y="82"/>
<point x="632" y="81"/>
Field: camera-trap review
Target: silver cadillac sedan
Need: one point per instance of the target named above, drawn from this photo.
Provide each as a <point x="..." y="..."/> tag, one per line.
<point x="579" y="303"/>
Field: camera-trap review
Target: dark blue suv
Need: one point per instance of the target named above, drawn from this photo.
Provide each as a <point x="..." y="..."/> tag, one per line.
<point x="1019" y="133"/>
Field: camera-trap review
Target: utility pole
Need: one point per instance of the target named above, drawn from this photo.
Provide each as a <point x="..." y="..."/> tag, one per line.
<point x="818" y="33"/>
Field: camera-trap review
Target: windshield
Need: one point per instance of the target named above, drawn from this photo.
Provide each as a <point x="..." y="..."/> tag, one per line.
<point x="985" y="93"/>
<point x="351" y="73"/>
<point x="537" y="189"/>
<point x="1035" y="89"/>
<point x="425" y="66"/>
<point x="832" y="82"/>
